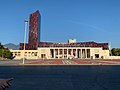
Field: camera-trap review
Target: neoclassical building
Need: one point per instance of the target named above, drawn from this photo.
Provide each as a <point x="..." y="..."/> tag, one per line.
<point x="81" y="50"/>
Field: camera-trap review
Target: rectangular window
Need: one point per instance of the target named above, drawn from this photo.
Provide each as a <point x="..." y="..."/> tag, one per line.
<point x="65" y="51"/>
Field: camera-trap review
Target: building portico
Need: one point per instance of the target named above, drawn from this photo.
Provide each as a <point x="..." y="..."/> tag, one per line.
<point x="62" y="53"/>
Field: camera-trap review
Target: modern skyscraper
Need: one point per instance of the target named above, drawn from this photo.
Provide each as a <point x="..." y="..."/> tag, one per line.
<point x="34" y="30"/>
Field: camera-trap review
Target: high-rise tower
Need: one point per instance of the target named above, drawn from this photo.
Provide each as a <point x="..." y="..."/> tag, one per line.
<point x="34" y="30"/>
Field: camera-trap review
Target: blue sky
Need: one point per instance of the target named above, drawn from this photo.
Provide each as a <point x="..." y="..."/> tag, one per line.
<point x="85" y="20"/>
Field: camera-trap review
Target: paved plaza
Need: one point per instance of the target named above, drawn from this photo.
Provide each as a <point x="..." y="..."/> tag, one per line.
<point x="59" y="62"/>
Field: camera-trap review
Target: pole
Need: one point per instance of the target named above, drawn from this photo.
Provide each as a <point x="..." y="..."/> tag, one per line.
<point x="2" y="54"/>
<point x="110" y="48"/>
<point x="24" y="40"/>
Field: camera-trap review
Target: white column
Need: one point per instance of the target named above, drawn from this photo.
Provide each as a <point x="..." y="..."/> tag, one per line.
<point x="72" y="52"/>
<point x="75" y="52"/>
<point x="54" y="52"/>
<point x="86" y="53"/>
<point x="58" y="53"/>
<point x="63" y="53"/>
<point x="81" y="54"/>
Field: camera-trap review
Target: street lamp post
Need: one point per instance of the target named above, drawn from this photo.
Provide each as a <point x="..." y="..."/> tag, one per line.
<point x="2" y="54"/>
<point x="24" y="40"/>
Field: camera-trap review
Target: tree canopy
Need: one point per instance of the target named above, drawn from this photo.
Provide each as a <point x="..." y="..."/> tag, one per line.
<point x="115" y="52"/>
<point x="4" y="52"/>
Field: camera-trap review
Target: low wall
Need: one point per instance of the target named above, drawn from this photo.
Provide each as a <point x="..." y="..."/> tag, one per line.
<point x="112" y="57"/>
<point x="17" y="58"/>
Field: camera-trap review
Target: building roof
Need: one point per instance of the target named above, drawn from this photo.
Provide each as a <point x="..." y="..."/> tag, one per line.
<point x="77" y="44"/>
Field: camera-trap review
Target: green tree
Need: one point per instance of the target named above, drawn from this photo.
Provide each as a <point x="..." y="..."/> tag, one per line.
<point x="1" y="50"/>
<point x="7" y="54"/>
<point x="4" y="52"/>
<point x="115" y="51"/>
